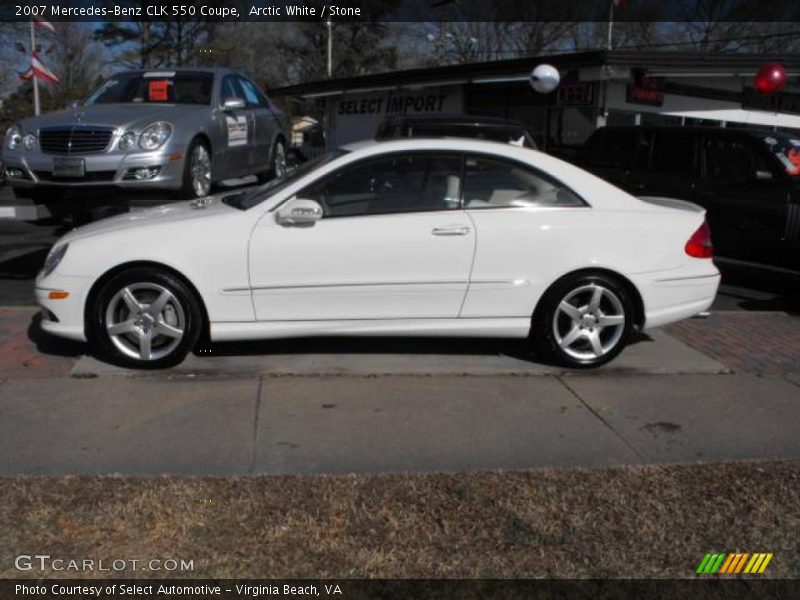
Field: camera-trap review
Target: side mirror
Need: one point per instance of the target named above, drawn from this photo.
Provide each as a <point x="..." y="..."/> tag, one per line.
<point x="299" y="212"/>
<point x="763" y="175"/>
<point x="233" y="104"/>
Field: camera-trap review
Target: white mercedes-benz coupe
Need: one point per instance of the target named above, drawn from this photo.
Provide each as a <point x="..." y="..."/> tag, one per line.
<point x="419" y="237"/>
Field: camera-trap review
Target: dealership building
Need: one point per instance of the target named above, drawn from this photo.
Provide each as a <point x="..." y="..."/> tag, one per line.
<point x="617" y="87"/>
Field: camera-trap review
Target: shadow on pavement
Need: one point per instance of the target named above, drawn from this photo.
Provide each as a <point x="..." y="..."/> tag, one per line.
<point x="753" y="288"/>
<point x="52" y="345"/>
<point x="515" y="348"/>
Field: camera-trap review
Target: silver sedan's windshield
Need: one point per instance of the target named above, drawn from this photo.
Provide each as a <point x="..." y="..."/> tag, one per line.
<point x="245" y="200"/>
<point x="155" y="87"/>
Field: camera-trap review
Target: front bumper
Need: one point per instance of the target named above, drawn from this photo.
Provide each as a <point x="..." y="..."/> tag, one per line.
<point x="34" y="169"/>
<point x="63" y="317"/>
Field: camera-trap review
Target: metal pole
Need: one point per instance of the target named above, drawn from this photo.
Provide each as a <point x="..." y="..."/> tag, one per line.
<point x="330" y="48"/>
<point x="610" y="43"/>
<point x="33" y="73"/>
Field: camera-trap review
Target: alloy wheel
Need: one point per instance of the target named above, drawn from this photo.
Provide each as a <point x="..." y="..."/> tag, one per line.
<point x="279" y="169"/>
<point x="200" y="168"/>
<point x="589" y="322"/>
<point x="145" y="321"/>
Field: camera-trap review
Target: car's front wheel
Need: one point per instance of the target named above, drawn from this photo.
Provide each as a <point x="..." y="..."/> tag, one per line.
<point x="145" y="318"/>
<point x="584" y="320"/>
<point x="197" y="171"/>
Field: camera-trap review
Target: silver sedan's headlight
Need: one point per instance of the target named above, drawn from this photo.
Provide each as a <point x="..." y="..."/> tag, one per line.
<point x="13" y="137"/>
<point x="55" y="256"/>
<point x="127" y="140"/>
<point x="29" y="141"/>
<point x="154" y="136"/>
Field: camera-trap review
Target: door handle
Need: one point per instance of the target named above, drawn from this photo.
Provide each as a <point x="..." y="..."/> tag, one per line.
<point x="456" y="230"/>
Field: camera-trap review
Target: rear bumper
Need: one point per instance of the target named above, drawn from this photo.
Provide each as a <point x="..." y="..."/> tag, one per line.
<point x="672" y="296"/>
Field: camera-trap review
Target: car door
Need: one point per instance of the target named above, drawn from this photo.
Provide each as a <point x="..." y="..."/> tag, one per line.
<point x="265" y="124"/>
<point x="393" y="244"/>
<point x="609" y="153"/>
<point x="666" y="164"/>
<point x="521" y="229"/>
<point x="238" y="129"/>
<point x="746" y="197"/>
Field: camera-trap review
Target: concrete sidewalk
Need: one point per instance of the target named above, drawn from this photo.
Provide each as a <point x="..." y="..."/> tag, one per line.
<point x="372" y="424"/>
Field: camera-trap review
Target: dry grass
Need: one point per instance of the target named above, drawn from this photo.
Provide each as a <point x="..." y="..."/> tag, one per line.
<point x="642" y="522"/>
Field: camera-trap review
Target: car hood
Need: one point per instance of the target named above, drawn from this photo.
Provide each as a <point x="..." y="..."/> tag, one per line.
<point x="111" y="115"/>
<point x="149" y="217"/>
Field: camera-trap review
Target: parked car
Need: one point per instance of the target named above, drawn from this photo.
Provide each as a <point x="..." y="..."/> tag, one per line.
<point x="410" y="237"/>
<point x="178" y="130"/>
<point x="747" y="180"/>
<point x="467" y="126"/>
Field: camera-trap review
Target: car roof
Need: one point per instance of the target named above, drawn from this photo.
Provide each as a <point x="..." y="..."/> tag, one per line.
<point x="214" y="70"/>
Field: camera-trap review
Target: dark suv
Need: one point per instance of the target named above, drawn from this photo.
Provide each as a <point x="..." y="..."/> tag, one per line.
<point x="748" y="180"/>
<point x="469" y="126"/>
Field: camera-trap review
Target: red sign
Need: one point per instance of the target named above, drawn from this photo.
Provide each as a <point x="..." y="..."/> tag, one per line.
<point x="579" y="93"/>
<point x="158" y="90"/>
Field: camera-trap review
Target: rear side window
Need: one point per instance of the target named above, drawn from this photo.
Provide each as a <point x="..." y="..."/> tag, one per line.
<point x="673" y="153"/>
<point x="493" y="183"/>
<point x="610" y="149"/>
<point x="731" y="159"/>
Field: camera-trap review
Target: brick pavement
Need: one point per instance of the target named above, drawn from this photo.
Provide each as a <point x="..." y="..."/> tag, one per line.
<point x="766" y="343"/>
<point x="20" y="355"/>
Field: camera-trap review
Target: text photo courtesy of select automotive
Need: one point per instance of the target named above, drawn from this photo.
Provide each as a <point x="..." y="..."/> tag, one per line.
<point x="402" y="254"/>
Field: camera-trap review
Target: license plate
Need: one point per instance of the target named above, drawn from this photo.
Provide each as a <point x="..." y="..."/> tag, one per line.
<point x="68" y="167"/>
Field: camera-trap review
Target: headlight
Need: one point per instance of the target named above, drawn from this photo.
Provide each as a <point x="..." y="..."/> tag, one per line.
<point x="13" y="137"/>
<point x="154" y="136"/>
<point x="29" y="141"/>
<point x="127" y="141"/>
<point x="55" y="257"/>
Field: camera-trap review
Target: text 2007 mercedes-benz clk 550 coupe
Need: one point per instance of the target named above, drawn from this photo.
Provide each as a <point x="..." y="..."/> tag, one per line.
<point x="422" y="237"/>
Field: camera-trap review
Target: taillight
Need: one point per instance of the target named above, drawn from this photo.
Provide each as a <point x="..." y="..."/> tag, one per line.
<point x="699" y="245"/>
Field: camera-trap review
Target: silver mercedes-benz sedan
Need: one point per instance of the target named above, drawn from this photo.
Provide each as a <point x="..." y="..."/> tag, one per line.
<point x="179" y="130"/>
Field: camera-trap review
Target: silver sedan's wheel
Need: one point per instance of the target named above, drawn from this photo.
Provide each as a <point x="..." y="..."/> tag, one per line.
<point x="589" y="322"/>
<point x="279" y="160"/>
<point x="200" y="170"/>
<point x="145" y="321"/>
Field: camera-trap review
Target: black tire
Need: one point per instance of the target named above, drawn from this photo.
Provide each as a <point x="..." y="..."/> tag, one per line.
<point x="277" y="165"/>
<point x="553" y="328"/>
<point x="188" y="190"/>
<point x="181" y="312"/>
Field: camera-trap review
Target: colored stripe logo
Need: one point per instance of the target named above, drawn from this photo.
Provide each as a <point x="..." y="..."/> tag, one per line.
<point x="734" y="563"/>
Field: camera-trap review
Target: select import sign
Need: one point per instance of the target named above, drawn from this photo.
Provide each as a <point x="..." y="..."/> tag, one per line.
<point x="354" y="117"/>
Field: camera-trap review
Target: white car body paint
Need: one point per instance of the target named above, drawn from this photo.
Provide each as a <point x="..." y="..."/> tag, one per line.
<point x="388" y="274"/>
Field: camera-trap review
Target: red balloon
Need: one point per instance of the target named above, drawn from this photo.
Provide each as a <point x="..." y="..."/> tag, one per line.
<point x="770" y="79"/>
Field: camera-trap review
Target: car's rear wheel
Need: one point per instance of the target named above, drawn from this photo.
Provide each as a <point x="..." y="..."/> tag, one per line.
<point x="277" y="167"/>
<point x="145" y="318"/>
<point x="197" y="171"/>
<point x="584" y="320"/>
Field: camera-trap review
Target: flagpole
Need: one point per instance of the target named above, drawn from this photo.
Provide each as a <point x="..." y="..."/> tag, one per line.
<point x="34" y="78"/>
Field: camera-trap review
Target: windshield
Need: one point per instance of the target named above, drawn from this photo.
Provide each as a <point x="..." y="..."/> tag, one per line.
<point x="245" y="200"/>
<point x="787" y="150"/>
<point x="155" y="87"/>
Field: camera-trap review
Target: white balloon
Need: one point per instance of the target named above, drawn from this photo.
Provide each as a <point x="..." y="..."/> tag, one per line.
<point x="545" y="78"/>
